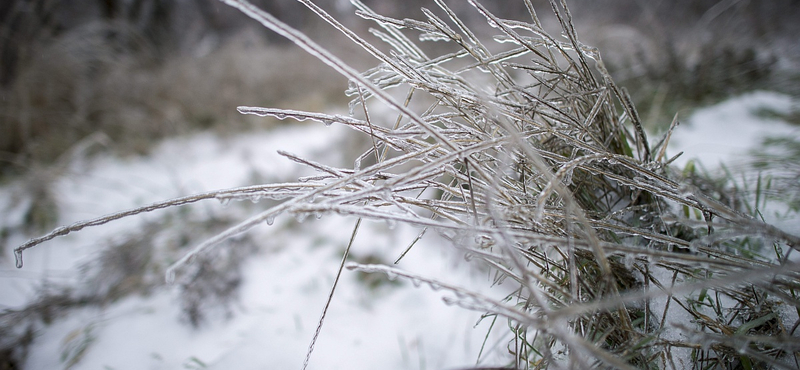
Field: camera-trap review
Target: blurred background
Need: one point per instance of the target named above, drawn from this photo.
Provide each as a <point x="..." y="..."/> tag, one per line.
<point x="136" y="70"/>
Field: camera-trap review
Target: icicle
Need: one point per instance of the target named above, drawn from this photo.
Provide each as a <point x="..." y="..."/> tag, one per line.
<point x="270" y="220"/>
<point x="567" y="178"/>
<point x="629" y="261"/>
<point x="170" y="276"/>
<point x="18" y="258"/>
<point x="351" y="107"/>
<point x="430" y="36"/>
<point x="686" y="190"/>
<point x="502" y="39"/>
<point x="224" y="200"/>
<point x="743" y="347"/>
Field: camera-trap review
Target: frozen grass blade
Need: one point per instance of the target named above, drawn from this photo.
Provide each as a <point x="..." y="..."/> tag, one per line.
<point x="330" y="295"/>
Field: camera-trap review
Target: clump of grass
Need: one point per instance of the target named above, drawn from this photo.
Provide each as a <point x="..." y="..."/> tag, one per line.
<point x="524" y="153"/>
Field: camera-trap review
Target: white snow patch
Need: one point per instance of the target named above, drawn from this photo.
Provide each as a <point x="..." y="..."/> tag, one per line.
<point x="728" y="131"/>
<point x="284" y="286"/>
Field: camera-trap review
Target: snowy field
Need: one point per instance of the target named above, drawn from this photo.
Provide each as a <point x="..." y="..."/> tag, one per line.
<point x="728" y="132"/>
<point x="285" y="281"/>
<point x="726" y="136"/>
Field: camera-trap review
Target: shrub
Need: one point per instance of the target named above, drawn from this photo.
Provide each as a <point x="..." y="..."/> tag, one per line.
<point x="528" y="157"/>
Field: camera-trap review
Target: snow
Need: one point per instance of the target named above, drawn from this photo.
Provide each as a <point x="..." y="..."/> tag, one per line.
<point x="282" y="297"/>
<point x="728" y="131"/>
<point x="727" y="134"/>
<point x="286" y="283"/>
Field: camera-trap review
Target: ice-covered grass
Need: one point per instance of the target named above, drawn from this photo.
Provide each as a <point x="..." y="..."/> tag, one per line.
<point x="372" y="323"/>
<point x="176" y="168"/>
<point x="284" y="284"/>
<point x="527" y="159"/>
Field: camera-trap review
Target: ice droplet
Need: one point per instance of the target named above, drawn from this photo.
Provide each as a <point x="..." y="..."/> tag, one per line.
<point x="743" y="347"/>
<point x="270" y="219"/>
<point x="386" y="194"/>
<point x="685" y="190"/>
<point x="567" y="179"/>
<point x="391" y="224"/>
<point x="629" y="260"/>
<point x="18" y="258"/>
<point x="327" y="122"/>
<point x="300" y="216"/>
<point x="170" y="276"/>
<point x="431" y="36"/>
<point x="224" y="201"/>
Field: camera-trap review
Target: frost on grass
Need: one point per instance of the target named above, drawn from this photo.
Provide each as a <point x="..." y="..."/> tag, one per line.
<point x="521" y="150"/>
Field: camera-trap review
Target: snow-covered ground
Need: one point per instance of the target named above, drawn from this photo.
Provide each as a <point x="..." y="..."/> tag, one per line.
<point x="722" y="139"/>
<point x="285" y="283"/>
<point x="729" y="131"/>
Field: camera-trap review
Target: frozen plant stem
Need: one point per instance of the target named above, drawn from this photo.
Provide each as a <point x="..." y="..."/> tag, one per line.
<point x="330" y="295"/>
<point x="325" y="56"/>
